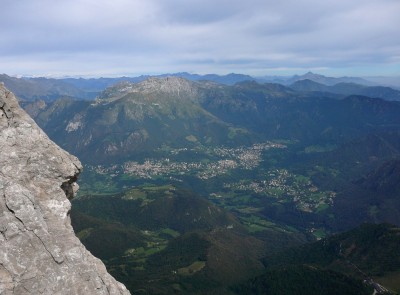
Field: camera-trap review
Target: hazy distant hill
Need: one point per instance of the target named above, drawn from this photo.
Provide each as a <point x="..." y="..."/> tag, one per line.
<point x="393" y="81"/>
<point x="329" y="81"/>
<point x="308" y="85"/>
<point x="29" y="89"/>
<point x="346" y="89"/>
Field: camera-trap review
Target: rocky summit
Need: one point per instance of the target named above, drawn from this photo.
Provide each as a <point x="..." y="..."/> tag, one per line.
<point x="39" y="252"/>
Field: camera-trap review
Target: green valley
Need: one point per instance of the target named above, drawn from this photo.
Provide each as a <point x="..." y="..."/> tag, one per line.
<point x="194" y="187"/>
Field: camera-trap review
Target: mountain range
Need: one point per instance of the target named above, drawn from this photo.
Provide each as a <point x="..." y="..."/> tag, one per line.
<point x="28" y="88"/>
<point x="345" y="89"/>
<point x="329" y="81"/>
<point x="130" y="119"/>
<point x="196" y="186"/>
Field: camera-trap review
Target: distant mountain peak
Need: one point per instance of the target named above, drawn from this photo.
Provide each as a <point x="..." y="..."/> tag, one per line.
<point x="308" y="85"/>
<point x="169" y="86"/>
<point x="165" y="84"/>
<point x="311" y="75"/>
<point x="329" y="81"/>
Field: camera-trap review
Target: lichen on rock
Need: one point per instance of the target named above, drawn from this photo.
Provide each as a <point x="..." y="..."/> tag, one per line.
<point x="39" y="252"/>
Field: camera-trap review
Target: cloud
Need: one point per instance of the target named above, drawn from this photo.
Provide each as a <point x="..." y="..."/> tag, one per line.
<point x="221" y="36"/>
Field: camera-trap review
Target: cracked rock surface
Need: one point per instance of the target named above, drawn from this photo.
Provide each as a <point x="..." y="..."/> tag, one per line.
<point x="39" y="252"/>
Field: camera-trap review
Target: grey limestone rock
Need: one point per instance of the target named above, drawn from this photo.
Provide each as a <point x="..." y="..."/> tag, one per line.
<point x="39" y="252"/>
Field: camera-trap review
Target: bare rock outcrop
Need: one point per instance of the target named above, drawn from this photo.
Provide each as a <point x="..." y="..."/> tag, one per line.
<point x="39" y="252"/>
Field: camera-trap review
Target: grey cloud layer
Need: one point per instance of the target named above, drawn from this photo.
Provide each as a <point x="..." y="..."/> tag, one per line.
<point x="200" y="36"/>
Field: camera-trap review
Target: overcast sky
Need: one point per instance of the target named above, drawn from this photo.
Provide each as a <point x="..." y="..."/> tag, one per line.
<point x="256" y="37"/>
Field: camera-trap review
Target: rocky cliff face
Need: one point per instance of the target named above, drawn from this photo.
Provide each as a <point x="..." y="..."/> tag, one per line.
<point x="39" y="253"/>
